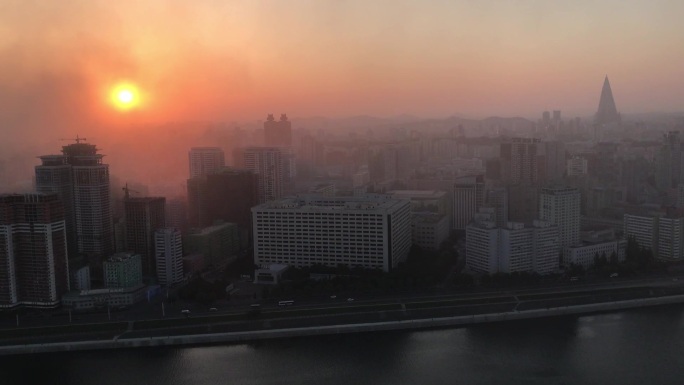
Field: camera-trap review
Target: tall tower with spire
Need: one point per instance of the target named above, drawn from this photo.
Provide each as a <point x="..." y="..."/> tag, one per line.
<point x="607" y="112"/>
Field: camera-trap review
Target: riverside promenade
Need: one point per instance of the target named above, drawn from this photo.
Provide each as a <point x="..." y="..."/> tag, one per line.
<point x="244" y="327"/>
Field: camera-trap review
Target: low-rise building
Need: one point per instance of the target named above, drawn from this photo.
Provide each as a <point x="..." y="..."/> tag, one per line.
<point x="270" y="275"/>
<point x="123" y="270"/>
<point x="219" y="244"/>
<point x="102" y="298"/>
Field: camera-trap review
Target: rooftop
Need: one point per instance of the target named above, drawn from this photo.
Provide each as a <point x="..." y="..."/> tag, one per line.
<point x="417" y="194"/>
<point x="329" y="204"/>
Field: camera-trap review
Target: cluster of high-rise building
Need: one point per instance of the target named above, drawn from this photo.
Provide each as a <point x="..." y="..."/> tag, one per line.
<point x="526" y="197"/>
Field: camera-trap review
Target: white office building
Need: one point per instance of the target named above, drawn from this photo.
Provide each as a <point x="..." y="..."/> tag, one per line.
<point x="168" y="248"/>
<point x="373" y="231"/>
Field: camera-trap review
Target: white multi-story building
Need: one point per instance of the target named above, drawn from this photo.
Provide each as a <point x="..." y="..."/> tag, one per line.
<point x="168" y="248"/>
<point x="512" y="248"/>
<point x="205" y="160"/>
<point x="643" y="228"/>
<point x="561" y="206"/>
<point x="670" y="237"/>
<point x="372" y="231"/>
<point x="545" y="254"/>
<point x="662" y="234"/>
<point x="270" y="165"/>
<point x="482" y="247"/>
<point x="515" y="248"/>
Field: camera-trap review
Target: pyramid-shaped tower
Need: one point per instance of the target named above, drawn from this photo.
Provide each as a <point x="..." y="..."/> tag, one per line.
<point x="607" y="112"/>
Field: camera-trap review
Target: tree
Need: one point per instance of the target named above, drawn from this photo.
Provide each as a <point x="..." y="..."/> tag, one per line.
<point x="614" y="259"/>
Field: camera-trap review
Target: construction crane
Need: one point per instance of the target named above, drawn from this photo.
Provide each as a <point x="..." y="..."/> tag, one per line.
<point x="127" y="191"/>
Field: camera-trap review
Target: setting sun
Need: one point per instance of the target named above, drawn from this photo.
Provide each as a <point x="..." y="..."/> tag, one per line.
<point x="125" y="96"/>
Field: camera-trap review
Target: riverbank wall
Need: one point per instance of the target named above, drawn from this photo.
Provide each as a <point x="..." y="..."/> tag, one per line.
<point x="424" y="323"/>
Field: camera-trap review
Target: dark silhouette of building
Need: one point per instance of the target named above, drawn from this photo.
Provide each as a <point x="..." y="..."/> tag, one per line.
<point x="607" y="112"/>
<point x="34" y="268"/>
<point x="227" y="195"/>
<point x="87" y="203"/>
<point x="277" y="133"/>
<point x="144" y="215"/>
<point x="231" y="194"/>
<point x="197" y="201"/>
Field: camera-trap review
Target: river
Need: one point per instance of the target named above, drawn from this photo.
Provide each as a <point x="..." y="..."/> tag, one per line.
<point x="644" y="346"/>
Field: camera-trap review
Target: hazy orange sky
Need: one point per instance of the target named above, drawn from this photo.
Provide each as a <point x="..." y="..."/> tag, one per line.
<point x="238" y="60"/>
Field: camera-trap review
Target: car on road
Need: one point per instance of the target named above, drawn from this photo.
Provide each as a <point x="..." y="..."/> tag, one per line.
<point x="186" y="312"/>
<point x="213" y="309"/>
<point x="614" y="275"/>
<point x="333" y="297"/>
<point x="350" y="299"/>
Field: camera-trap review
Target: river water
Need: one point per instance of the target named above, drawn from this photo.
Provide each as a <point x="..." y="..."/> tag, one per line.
<point x="643" y="346"/>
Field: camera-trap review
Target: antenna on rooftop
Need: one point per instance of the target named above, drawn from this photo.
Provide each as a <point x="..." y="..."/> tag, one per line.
<point x="77" y="139"/>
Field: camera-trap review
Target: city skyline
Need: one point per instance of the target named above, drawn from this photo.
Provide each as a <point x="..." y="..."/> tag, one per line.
<point x="235" y="61"/>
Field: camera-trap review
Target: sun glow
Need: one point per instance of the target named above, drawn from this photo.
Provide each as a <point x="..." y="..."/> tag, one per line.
<point x="125" y="96"/>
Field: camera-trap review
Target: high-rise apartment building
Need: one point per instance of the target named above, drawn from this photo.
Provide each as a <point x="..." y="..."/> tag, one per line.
<point x="561" y="206"/>
<point x="144" y="215"/>
<point x="498" y="199"/>
<point x="372" y="231"/>
<point x="231" y="193"/>
<point x="519" y="160"/>
<point x="88" y="199"/>
<point x="168" y="246"/>
<point x="278" y="133"/>
<point x="177" y="213"/>
<point x="554" y="160"/>
<point x="205" y="160"/>
<point x="268" y="163"/>
<point x="34" y="268"/>
<point x="197" y="202"/>
<point x="55" y="175"/>
<point x="468" y="198"/>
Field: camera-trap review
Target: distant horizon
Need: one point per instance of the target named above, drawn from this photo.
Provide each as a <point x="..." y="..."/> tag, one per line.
<point x="236" y="60"/>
